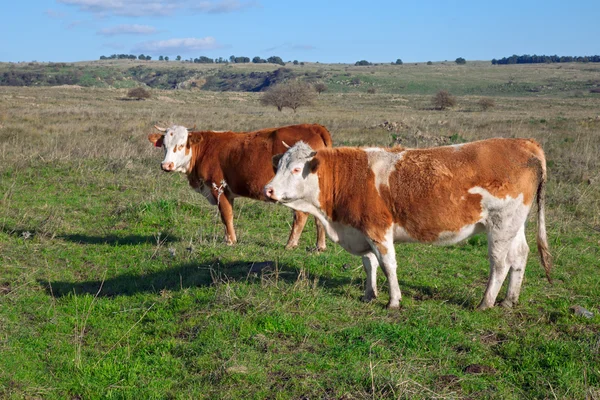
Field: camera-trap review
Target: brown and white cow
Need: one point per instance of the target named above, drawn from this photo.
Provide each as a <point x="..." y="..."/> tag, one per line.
<point x="225" y="165"/>
<point x="369" y="198"/>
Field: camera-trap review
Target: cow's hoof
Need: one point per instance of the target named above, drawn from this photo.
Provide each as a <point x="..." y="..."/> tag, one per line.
<point x="367" y="298"/>
<point x="314" y="249"/>
<point x="291" y="246"/>
<point x="507" y="304"/>
<point x="393" y="306"/>
<point x="483" y="307"/>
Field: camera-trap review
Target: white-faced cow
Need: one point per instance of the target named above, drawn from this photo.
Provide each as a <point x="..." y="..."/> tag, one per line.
<point x="225" y="165"/>
<point x="369" y="198"/>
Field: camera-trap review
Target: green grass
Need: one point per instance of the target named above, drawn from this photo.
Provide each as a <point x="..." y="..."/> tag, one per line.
<point x="97" y="303"/>
<point x="115" y="281"/>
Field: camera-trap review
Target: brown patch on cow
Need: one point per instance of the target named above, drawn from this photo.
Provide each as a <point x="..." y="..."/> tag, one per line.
<point x="382" y="249"/>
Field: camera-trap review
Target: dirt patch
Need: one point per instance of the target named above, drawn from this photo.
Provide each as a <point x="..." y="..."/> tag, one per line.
<point x="476" y="369"/>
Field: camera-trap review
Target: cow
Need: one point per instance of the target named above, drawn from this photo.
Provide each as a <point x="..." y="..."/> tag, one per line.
<point x="225" y="165"/>
<point x="369" y="198"/>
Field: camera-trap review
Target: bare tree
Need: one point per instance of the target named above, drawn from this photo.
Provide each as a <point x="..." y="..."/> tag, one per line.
<point x="292" y="94"/>
<point x="443" y="100"/>
<point x="320" y="87"/>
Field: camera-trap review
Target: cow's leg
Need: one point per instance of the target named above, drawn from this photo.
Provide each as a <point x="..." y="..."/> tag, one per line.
<point x="370" y="264"/>
<point x="386" y="255"/>
<point x="321" y="236"/>
<point x="499" y="241"/>
<point x="297" y="227"/>
<point x="517" y="259"/>
<point x="226" y="210"/>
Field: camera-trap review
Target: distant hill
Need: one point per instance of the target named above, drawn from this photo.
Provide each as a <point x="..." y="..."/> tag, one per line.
<point x="154" y="75"/>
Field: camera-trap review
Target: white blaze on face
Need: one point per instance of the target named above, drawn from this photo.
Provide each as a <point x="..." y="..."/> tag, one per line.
<point x="293" y="180"/>
<point x="174" y="144"/>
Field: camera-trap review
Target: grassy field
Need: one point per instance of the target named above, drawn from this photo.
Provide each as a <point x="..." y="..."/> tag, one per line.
<point x="115" y="281"/>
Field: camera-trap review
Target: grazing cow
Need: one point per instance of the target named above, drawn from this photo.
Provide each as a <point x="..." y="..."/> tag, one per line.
<point x="225" y="165"/>
<point x="369" y="198"/>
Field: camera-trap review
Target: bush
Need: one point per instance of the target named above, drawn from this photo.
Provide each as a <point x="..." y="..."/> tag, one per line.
<point x="460" y="61"/>
<point x="362" y="62"/>
<point x="355" y="81"/>
<point x="429" y="63"/>
<point x="292" y="94"/>
<point x="443" y="100"/>
<point x="371" y="90"/>
<point x="486" y="103"/>
<point x="399" y="62"/>
<point x="320" y="87"/>
<point x="138" y="93"/>
<point x="595" y="90"/>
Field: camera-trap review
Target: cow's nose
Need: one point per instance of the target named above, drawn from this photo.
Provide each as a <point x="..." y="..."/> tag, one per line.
<point x="270" y="192"/>
<point x="167" y="167"/>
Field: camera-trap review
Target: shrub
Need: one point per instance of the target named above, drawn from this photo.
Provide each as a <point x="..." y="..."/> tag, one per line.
<point x="443" y="100"/>
<point x="486" y="103"/>
<point x="355" y="81"/>
<point x="429" y="63"/>
<point x="292" y="94"/>
<point x="399" y="62"/>
<point x="362" y="62"/>
<point x="371" y="90"/>
<point x="138" y="93"/>
<point x="460" y="61"/>
<point x="320" y="87"/>
<point x="595" y="90"/>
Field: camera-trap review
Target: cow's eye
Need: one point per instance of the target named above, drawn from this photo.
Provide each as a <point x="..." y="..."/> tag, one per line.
<point x="296" y="171"/>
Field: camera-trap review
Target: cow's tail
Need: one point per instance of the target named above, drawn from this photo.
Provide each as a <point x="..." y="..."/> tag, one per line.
<point x="325" y="136"/>
<point x="542" y="240"/>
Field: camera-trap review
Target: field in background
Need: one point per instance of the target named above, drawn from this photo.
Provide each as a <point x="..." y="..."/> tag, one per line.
<point x="115" y="282"/>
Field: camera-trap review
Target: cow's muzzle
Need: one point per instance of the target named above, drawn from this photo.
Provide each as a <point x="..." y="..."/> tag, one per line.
<point x="168" y="167"/>
<point x="270" y="193"/>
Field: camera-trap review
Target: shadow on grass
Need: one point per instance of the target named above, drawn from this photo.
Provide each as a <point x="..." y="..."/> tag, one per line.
<point x="118" y="240"/>
<point x="185" y="276"/>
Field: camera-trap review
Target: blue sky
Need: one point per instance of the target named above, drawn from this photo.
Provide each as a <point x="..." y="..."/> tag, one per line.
<point x="306" y="30"/>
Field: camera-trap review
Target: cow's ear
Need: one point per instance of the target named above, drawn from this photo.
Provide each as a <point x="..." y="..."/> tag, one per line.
<point x="156" y="139"/>
<point x="275" y="160"/>
<point x="313" y="165"/>
<point x="193" y="139"/>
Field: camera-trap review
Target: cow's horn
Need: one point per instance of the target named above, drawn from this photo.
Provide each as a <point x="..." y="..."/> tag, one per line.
<point x="193" y="128"/>
<point x="160" y="129"/>
<point x="287" y="146"/>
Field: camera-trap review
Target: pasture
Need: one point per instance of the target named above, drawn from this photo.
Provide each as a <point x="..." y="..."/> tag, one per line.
<point x="115" y="281"/>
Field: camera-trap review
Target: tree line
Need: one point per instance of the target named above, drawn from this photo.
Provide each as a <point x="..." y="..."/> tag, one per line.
<point x="201" y="60"/>
<point x="535" y="59"/>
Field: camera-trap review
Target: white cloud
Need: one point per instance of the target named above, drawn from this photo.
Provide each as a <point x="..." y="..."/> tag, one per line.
<point x="138" y="8"/>
<point x="224" y="6"/>
<point x="172" y="46"/>
<point x="128" y="30"/>
<point x="130" y="8"/>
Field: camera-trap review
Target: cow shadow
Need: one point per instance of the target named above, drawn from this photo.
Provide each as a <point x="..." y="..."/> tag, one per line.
<point x="424" y="293"/>
<point x="186" y="276"/>
<point x="114" y="240"/>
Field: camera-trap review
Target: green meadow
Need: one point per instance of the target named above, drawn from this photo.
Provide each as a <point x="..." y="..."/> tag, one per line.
<point x="115" y="281"/>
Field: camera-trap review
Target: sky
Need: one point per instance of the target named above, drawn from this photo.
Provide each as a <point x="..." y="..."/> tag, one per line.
<point x="331" y="31"/>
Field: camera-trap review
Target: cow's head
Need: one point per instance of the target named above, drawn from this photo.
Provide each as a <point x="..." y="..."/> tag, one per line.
<point x="295" y="179"/>
<point x="174" y="141"/>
